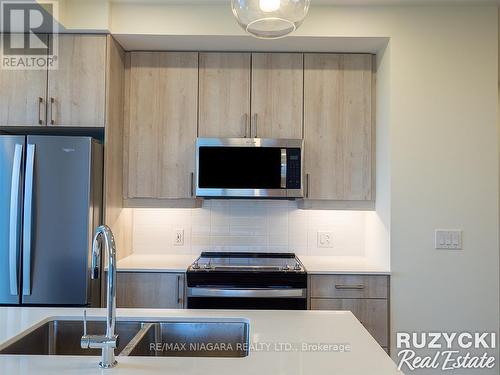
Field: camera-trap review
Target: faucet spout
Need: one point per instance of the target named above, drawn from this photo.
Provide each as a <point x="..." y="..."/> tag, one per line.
<point x="107" y="342"/>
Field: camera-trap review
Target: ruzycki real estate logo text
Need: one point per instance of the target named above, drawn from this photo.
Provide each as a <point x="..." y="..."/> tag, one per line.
<point x="29" y="35"/>
<point x="444" y="351"/>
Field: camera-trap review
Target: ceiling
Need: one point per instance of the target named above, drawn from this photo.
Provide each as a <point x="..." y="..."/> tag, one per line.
<point x="330" y="2"/>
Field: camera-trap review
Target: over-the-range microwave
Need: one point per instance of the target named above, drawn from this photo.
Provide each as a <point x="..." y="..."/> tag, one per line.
<point x="249" y="168"/>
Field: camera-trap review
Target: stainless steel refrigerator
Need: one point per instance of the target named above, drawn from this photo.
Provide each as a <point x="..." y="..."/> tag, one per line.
<point x="50" y="204"/>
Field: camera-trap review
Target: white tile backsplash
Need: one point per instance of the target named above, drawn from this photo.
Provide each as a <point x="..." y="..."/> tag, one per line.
<point x="242" y="225"/>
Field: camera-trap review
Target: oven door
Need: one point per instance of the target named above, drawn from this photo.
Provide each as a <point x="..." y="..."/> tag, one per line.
<point x="258" y="290"/>
<point x="249" y="167"/>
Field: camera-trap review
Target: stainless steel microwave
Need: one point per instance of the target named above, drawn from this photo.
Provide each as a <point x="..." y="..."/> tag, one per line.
<point x="249" y="168"/>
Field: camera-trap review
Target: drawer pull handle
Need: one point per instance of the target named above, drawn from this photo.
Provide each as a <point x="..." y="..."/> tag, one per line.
<point x="357" y="287"/>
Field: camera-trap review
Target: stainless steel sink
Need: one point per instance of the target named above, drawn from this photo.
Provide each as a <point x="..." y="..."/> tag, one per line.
<point x="62" y="337"/>
<point x="136" y="338"/>
<point x="191" y="339"/>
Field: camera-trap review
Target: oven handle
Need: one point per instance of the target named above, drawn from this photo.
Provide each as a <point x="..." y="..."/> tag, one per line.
<point x="247" y="293"/>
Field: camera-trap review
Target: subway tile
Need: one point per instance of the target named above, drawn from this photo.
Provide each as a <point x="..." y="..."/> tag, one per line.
<point x="247" y="225"/>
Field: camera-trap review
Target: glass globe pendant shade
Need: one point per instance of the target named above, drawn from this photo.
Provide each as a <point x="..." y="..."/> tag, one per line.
<point x="270" y="19"/>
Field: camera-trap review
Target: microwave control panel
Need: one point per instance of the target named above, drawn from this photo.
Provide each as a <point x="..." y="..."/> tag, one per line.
<point x="293" y="168"/>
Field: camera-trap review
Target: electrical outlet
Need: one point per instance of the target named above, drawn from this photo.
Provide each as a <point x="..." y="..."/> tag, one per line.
<point x="448" y="239"/>
<point x="179" y="237"/>
<point x="325" y="239"/>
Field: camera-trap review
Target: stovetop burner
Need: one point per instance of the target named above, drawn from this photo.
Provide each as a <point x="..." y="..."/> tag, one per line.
<point x="247" y="262"/>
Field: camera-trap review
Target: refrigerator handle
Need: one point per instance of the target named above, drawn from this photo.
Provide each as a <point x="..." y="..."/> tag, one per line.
<point x="28" y="208"/>
<point x="14" y="220"/>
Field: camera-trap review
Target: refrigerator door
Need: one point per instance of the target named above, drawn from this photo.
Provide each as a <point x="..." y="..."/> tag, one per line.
<point x="11" y="193"/>
<point x="58" y="220"/>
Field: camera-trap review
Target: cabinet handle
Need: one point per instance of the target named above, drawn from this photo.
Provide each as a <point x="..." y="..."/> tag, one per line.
<point x="40" y="104"/>
<point x="247" y="132"/>
<point x="52" y="121"/>
<point x="307" y="185"/>
<point x="356" y="287"/>
<point x="178" y="289"/>
<point x="255" y="124"/>
<point x="192" y="184"/>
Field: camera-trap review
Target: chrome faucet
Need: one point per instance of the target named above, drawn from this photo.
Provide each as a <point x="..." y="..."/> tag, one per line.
<point x="109" y="342"/>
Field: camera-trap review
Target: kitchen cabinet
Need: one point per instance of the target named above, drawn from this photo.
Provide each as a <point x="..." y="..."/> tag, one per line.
<point x="372" y="313"/>
<point x="366" y="296"/>
<point x="150" y="290"/>
<point x="73" y="94"/>
<point x="277" y="95"/>
<point x="23" y="96"/>
<point x="339" y="127"/>
<point x="224" y="90"/>
<point x="162" y="99"/>
<point x="77" y="88"/>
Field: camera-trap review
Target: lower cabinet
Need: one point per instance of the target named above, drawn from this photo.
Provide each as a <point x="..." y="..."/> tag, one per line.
<point x="150" y="290"/>
<point x="367" y="297"/>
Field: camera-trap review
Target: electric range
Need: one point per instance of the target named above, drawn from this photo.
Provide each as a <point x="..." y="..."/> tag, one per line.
<point x="236" y="280"/>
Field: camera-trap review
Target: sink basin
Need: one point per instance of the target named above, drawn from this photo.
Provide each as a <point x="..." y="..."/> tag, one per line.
<point x="62" y="337"/>
<point x="136" y="338"/>
<point x="191" y="339"/>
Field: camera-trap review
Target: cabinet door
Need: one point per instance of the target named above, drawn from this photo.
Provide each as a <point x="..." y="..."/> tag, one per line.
<point x="372" y="313"/>
<point x="224" y="95"/>
<point x="338" y="126"/>
<point x="77" y="89"/>
<point x="163" y="101"/>
<point x="149" y="290"/>
<point x="277" y="95"/>
<point x="22" y="96"/>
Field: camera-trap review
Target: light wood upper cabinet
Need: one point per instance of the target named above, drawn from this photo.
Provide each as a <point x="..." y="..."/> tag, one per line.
<point x="77" y="89"/>
<point x="277" y="95"/>
<point x="161" y="132"/>
<point x="338" y="109"/>
<point x="22" y="96"/>
<point x="224" y="109"/>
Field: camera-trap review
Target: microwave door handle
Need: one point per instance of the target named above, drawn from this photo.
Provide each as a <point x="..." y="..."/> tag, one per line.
<point x="283" y="168"/>
<point x="14" y="220"/>
<point x="28" y="210"/>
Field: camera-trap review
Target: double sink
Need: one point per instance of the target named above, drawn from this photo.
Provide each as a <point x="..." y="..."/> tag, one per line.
<point x="227" y="339"/>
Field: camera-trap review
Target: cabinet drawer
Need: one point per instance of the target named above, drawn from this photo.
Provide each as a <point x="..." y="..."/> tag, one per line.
<point x="372" y="313"/>
<point x="349" y="286"/>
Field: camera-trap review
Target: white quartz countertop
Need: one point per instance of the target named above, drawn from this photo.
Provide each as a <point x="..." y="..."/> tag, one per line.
<point x="342" y="265"/>
<point x="313" y="264"/>
<point x="266" y="327"/>
<point x="155" y="263"/>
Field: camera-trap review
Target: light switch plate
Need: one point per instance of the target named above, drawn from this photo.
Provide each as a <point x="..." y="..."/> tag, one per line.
<point x="448" y="239"/>
<point x="325" y="239"/>
<point x="179" y="237"/>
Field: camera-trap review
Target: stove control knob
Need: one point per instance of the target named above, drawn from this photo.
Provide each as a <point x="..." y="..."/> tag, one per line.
<point x="195" y="266"/>
<point x="297" y="267"/>
<point x="286" y="268"/>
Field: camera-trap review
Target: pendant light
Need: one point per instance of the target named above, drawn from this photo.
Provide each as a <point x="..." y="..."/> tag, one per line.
<point x="270" y="19"/>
